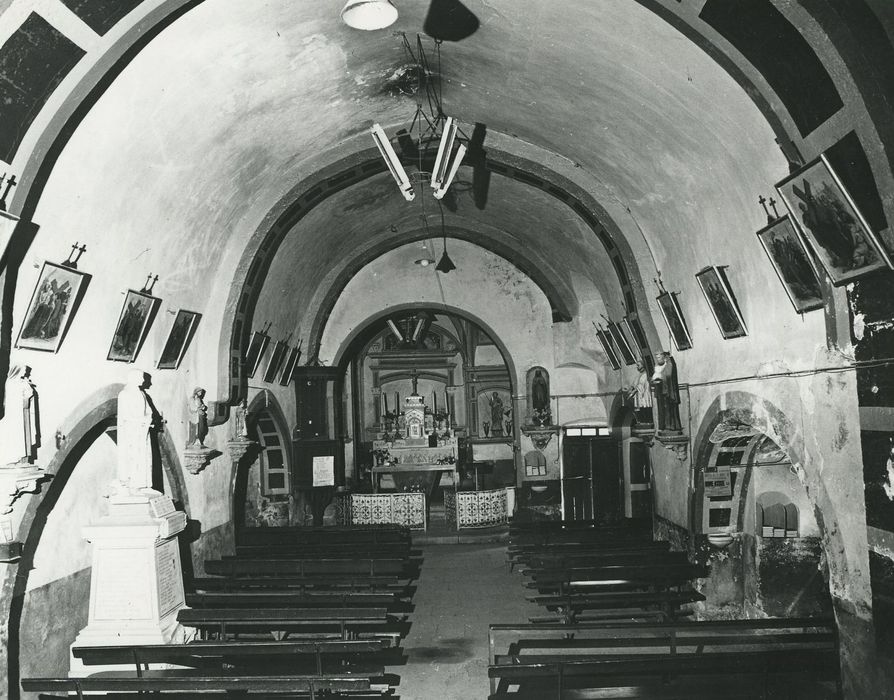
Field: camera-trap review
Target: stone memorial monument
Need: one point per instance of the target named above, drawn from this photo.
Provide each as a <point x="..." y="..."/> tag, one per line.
<point x="136" y="585"/>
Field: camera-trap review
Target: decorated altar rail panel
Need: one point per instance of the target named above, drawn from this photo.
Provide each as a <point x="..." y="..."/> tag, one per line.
<point x="471" y="509"/>
<point x="389" y="509"/>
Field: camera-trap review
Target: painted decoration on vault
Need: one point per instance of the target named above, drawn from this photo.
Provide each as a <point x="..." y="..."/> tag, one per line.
<point x="831" y="223"/>
<point x="52" y="307"/>
<point x="720" y="299"/>
<point x="786" y="251"/>
<point x="136" y="317"/>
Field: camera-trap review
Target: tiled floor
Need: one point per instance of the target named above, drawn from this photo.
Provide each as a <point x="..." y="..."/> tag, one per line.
<point x="461" y="590"/>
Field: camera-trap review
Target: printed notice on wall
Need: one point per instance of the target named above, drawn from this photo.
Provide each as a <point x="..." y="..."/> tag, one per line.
<point x="324" y="471"/>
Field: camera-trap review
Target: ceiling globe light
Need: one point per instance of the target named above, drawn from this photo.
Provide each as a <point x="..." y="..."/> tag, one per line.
<point x="425" y="262"/>
<point x="369" y="14"/>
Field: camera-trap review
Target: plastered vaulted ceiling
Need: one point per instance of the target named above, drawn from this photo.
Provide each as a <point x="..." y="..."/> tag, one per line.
<point x="223" y="114"/>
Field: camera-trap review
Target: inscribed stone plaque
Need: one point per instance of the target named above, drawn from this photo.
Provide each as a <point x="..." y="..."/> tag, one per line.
<point x="123" y="577"/>
<point x="324" y="470"/>
<point x="170" y="580"/>
<point x="161" y="506"/>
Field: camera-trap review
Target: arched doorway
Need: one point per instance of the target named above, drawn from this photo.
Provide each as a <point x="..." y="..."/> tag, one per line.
<point x="750" y="488"/>
<point x="262" y="480"/>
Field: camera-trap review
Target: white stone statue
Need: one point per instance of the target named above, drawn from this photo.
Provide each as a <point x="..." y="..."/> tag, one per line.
<point x="240" y="413"/>
<point x="135" y="423"/>
<point x="19" y="435"/>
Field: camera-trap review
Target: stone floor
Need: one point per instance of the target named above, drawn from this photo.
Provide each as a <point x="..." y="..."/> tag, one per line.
<point x="462" y="589"/>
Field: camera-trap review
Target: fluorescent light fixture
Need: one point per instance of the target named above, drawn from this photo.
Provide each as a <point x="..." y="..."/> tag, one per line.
<point x="394" y="165"/>
<point x="395" y="330"/>
<point x="444" y="172"/>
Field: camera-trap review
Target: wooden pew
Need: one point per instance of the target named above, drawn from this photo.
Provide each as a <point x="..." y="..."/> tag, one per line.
<point x="176" y="686"/>
<point x="288" y="599"/>
<point x="397" y="550"/>
<point x="256" y="567"/>
<point x="349" y="582"/>
<point x="645" y="575"/>
<point x="612" y="604"/>
<point x="519" y="554"/>
<point x="323" y="535"/>
<point x="664" y="660"/>
<point x="221" y="622"/>
<point x="218" y="655"/>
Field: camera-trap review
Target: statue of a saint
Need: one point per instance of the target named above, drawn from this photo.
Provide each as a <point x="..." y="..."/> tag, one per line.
<point x="540" y="410"/>
<point x="198" y="418"/>
<point x="240" y="431"/>
<point x="641" y="395"/>
<point x="667" y="392"/>
<point x="20" y="436"/>
<point x="496" y="414"/>
<point x="136" y="421"/>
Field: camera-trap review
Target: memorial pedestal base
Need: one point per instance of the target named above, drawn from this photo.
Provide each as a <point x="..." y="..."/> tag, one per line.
<point x="136" y="585"/>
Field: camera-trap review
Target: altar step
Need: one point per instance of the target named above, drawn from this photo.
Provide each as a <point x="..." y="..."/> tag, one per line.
<point x="438" y="533"/>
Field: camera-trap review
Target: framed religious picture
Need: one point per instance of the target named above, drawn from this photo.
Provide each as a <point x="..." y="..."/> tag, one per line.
<point x="786" y="251"/>
<point x="288" y="369"/>
<point x="831" y="223"/>
<point x="256" y="349"/>
<point x="673" y="317"/>
<point x="723" y="305"/>
<point x="55" y="299"/>
<point x="134" y="321"/>
<point x="625" y="350"/>
<point x="275" y="362"/>
<point x="608" y="347"/>
<point x="179" y="338"/>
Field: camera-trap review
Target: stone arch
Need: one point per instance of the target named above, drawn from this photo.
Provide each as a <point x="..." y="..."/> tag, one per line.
<point x="263" y="405"/>
<point x="754" y="419"/>
<point x="87" y="423"/>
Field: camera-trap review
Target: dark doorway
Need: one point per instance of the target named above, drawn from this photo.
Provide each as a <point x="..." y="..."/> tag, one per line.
<point x="592" y="478"/>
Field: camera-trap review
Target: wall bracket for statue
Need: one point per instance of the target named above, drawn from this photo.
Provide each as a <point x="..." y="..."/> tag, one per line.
<point x="539" y="435"/>
<point x="677" y="442"/>
<point x="195" y="458"/>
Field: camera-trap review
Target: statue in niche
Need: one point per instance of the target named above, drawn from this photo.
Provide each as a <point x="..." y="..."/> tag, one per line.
<point x="641" y="395"/>
<point x="540" y="410"/>
<point x="198" y="418"/>
<point x="240" y="417"/>
<point x="667" y="393"/>
<point x="496" y="414"/>
<point x="137" y="421"/>
<point x="20" y="438"/>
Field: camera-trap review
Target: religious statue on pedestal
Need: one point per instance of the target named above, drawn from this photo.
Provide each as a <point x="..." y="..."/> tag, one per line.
<point x="667" y="393"/>
<point x="136" y="426"/>
<point x="198" y="419"/>
<point x="20" y="436"/>
<point x="641" y="395"/>
<point x="496" y="414"/>
<point x="240" y="430"/>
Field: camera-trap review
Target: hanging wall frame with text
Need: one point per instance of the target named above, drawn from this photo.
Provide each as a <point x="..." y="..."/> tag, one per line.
<point x="134" y="322"/>
<point x="791" y="261"/>
<point x="719" y="296"/>
<point x="831" y="223"/>
<point x="55" y="299"/>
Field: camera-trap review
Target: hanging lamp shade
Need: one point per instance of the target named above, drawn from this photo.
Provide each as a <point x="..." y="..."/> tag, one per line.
<point x="445" y="264"/>
<point x="369" y="14"/>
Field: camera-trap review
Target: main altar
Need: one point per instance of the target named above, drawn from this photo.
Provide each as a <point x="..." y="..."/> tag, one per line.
<point x="418" y="451"/>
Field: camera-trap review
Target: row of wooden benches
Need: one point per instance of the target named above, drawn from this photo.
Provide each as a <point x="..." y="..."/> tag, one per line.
<point x="335" y="623"/>
<point x="620" y="633"/>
